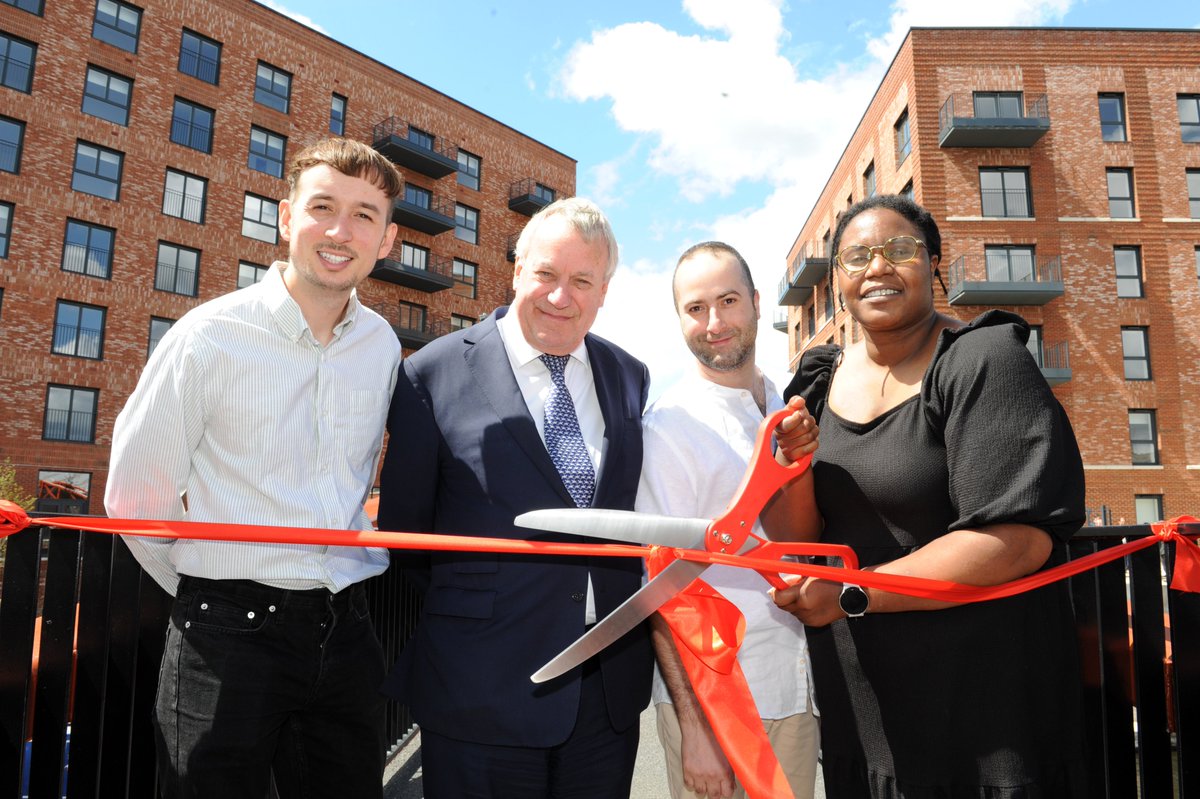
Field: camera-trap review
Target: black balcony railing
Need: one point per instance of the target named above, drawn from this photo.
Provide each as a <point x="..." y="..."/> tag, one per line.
<point x="433" y="275"/>
<point x="90" y="261"/>
<point x="961" y="126"/>
<point x="424" y="211"/>
<point x="199" y="66"/>
<point x="416" y="333"/>
<point x="100" y="625"/>
<point x="65" y="425"/>
<point x="175" y="279"/>
<point x="8" y="156"/>
<point x="183" y="205"/>
<point x="973" y="282"/>
<point x="528" y="196"/>
<point x="78" y="340"/>
<point x="414" y="149"/>
<point x="804" y="272"/>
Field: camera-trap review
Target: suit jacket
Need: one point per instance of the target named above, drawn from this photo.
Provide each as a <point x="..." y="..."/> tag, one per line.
<point x="465" y="457"/>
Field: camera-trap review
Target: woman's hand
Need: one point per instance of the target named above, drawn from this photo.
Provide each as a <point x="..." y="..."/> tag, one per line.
<point x="796" y="435"/>
<point x="814" y="602"/>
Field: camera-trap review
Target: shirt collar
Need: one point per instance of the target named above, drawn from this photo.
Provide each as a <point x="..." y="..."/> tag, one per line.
<point x="286" y="311"/>
<point x="520" y="351"/>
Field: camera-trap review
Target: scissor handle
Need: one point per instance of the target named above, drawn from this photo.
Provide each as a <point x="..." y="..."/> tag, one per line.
<point x="764" y="476"/>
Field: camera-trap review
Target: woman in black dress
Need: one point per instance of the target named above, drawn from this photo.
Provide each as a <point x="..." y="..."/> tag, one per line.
<point x="943" y="454"/>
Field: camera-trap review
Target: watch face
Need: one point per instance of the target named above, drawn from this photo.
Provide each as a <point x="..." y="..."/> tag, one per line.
<point x="854" y="600"/>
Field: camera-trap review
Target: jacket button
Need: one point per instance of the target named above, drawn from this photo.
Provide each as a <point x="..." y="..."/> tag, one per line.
<point x="578" y="596"/>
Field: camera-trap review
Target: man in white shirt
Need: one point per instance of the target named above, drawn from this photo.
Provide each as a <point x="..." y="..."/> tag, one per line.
<point x="698" y="438"/>
<point x="266" y="406"/>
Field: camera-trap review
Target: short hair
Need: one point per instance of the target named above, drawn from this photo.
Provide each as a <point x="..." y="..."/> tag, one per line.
<point x="713" y="248"/>
<point x="351" y="158"/>
<point x="921" y="219"/>
<point x="585" y="217"/>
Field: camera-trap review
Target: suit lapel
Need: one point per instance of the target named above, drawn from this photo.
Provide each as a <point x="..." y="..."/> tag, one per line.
<point x="488" y="363"/>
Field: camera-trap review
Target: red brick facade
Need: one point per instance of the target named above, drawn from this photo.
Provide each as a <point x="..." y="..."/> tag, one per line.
<point x="1070" y="223"/>
<point x="40" y="192"/>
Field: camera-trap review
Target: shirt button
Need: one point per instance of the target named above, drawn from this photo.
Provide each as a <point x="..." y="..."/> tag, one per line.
<point x="578" y="596"/>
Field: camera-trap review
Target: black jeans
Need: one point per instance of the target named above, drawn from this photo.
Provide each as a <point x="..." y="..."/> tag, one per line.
<point x="256" y="679"/>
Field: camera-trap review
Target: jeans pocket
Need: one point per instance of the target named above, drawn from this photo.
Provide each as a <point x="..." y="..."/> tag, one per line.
<point x="226" y="614"/>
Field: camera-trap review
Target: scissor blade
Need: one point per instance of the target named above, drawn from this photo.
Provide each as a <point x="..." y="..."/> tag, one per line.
<point x="647" y="599"/>
<point x="619" y="525"/>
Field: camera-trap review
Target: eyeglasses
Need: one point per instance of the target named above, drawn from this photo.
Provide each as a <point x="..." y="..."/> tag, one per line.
<point x="898" y="250"/>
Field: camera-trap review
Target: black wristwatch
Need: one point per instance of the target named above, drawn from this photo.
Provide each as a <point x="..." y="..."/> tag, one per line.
<point x="854" y="601"/>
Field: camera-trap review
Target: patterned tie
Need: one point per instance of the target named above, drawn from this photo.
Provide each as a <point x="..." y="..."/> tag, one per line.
<point x="563" y="438"/>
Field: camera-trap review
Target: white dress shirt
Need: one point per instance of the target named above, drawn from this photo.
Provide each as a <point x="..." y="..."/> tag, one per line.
<point x="533" y="378"/>
<point x="241" y="416"/>
<point x="698" y="438"/>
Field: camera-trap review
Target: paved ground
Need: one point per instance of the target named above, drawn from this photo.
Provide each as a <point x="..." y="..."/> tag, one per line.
<point x="403" y="775"/>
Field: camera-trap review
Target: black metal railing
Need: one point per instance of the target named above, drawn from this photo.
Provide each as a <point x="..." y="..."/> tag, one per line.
<point x="398" y="127"/>
<point x="99" y="622"/>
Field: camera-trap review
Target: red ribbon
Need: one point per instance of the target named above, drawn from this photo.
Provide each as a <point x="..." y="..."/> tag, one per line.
<point x="707" y="627"/>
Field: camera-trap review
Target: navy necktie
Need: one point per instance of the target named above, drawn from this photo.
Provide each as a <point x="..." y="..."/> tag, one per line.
<point x="564" y="440"/>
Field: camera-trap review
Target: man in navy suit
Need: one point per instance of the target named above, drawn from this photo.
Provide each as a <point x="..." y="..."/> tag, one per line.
<point x="468" y="453"/>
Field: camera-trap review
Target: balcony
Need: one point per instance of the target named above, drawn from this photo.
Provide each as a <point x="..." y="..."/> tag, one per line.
<point x="806" y="271"/>
<point x="780" y="321"/>
<point x="433" y="276"/>
<point x="528" y="196"/>
<point x="416" y="334"/>
<point x="430" y="213"/>
<point x="961" y="126"/>
<point x="414" y="149"/>
<point x="1054" y="361"/>
<point x="510" y="247"/>
<point x="972" y="283"/>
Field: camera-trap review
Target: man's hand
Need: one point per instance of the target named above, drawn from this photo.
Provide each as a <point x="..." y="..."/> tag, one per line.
<point x="706" y="771"/>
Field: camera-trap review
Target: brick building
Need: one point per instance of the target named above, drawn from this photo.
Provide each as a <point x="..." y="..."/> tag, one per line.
<point x="1063" y="168"/>
<point x="141" y="155"/>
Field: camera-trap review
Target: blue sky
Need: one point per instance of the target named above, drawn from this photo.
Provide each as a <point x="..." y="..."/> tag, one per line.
<point x="692" y="120"/>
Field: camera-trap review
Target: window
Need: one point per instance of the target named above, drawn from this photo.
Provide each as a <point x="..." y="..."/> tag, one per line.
<point x="412" y="316"/>
<point x="810" y="319"/>
<point x="266" y="151"/>
<point x="107" y="95"/>
<point x="78" y="330"/>
<point x="97" y="170"/>
<point x="1112" y="117"/>
<point x="184" y="196"/>
<point x="16" y="63"/>
<point x="158" y="329"/>
<point x="414" y="257"/>
<point x="1135" y="348"/>
<point x="1143" y="437"/>
<point x="466" y="224"/>
<point x="1120" y="193"/>
<point x="337" y="115"/>
<point x="272" y="87"/>
<point x="829" y="299"/>
<point x="1009" y="263"/>
<point x="465" y="274"/>
<point x="415" y="195"/>
<point x="1005" y="192"/>
<point x="6" y="212"/>
<point x="12" y="135"/>
<point x="249" y="274"/>
<point x="994" y="105"/>
<point x="63" y="492"/>
<point x="260" y="219"/>
<point x="1148" y="508"/>
<point x="32" y="6"/>
<point x="907" y="191"/>
<point x="192" y="125"/>
<point x="869" y="180"/>
<point x="70" y="414"/>
<point x="903" y="138"/>
<point x="1128" y="261"/>
<point x="420" y="137"/>
<point x="458" y="322"/>
<point x="177" y="269"/>
<point x="1193" y="184"/>
<point x="468" y="170"/>
<point x="118" y="24"/>
<point x="88" y="249"/>
<point x="1035" y="345"/>
<point x="200" y="57"/>
<point x="1198" y="266"/>
<point x="1189" y="116"/>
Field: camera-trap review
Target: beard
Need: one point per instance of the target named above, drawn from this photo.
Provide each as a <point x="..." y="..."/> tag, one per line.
<point x="735" y="357"/>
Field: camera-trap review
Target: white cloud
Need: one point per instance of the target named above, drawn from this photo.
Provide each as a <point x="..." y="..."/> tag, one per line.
<point x="955" y="13"/>
<point x="301" y="18"/>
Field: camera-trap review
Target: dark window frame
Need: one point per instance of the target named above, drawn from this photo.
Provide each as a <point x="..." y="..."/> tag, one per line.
<point x="1112" y="128"/>
<point x="1006" y="193"/>
<point x="264" y="154"/>
<point x="186" y="200"/>
<point x="114" y="32"/>
<point x="9" y="72"/>
<point x="1151" y="421"/>
<point x="119" y="114"/>
<point x="461" y="322"/>
<point x="18" y="146"/>
<point x="152" y="342"/>
<point x="1138" y="275"/>
<point x="70" y="428"/>
<point x="1192" y="178"/>
<point x="1157" y="499"/>
<point x="190" y="132"/>
<point x="470" y="170"/>
<point x="1008" y="251"/>
<point x="7" y="211"/>
<point x="1189" y="118"/>
<point x="414" y="256"/>
<point x="66" y="331"/>
<point x="266" y="92"/>
<point x="35" y="7"/>
<point x="87" y="249"/>
<point x="167" y="274"/>
<point x="1126" y="172"/>
<point x="82" y="177"/>
<point x="869" y="185"/>
<point x="465" y="285"/>
<point x="264" y="202"/>
<point x="1139" y="364"/>
<point x="408" y="311"/>
<point x="418" y="196"/>
<point x="997" y="99"/>
<point x="337" y="119"/>
<point x="903" y="135"/>
<point x="466" y="223"/>
<point x="259" y="271"/>
<point x="192" y="62"/>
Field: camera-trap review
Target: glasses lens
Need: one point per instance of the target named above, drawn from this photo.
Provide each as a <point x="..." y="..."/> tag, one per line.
<point x="855" y="256"/>
<point x="900" y="249"/>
